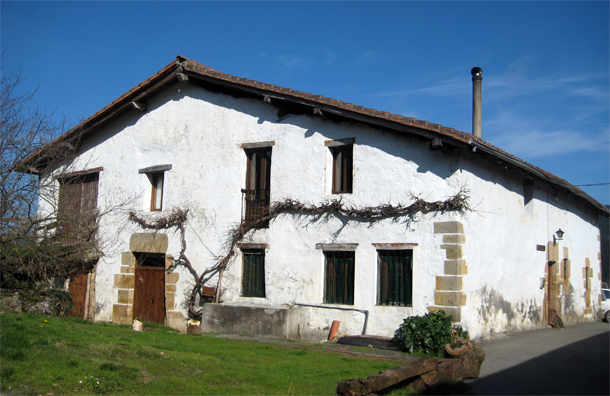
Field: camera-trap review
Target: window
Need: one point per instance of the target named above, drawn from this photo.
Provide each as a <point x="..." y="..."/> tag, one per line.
<point x="253" y="278"/>
<point x="339" y="277"/>
<point x="156" y="177"/>
<point x="258" y="177"/>
<point x="395" y="277"/>
<point x="156" y="201"/>
<point x="77" y="207"/>
<point x="342" y="168"/>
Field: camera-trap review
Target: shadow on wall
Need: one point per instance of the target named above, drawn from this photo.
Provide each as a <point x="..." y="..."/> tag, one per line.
<point x="581" y="368"/>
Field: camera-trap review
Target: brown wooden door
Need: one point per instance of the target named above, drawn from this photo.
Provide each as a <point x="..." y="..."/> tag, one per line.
<point x="78" y="290"/>
<point x="149" y="294"/>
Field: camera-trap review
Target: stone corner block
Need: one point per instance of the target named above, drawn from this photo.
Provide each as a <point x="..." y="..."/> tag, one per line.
<point x="449" y="298"/>
<point x="176" y="320"/>
<point x="169" y="261"/>
<point x="128" y="259"/>
<point x="448" y="227"/>
<point x="456" y="267"/>
<point x="454" y="312"/>
<point x="454" y="238"/>
<point x="125" y="296"/>
<point x="171" y="279"/>
<point x="148" y="243"/>
<point x="128" y="270"/>
<point x="552" y="251"/>
<point x="452" y="252"/>
<point x="123" y="281"/>
<point x="121" y="314"/>
<point x="450" y="283"/>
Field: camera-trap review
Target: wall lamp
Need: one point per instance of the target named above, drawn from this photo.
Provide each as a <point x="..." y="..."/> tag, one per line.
<point x="559" y="235"/>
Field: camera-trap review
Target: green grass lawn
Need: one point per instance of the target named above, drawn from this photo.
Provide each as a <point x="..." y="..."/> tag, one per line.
<point x="41" y="355"/>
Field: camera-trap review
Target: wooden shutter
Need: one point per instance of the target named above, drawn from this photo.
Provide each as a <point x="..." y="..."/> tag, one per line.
<point x="339" y="278"/>
<point x="395" y="271"/>
<point x="253" y="280"/>
<point x="77" y="207"/>
<point x="342" y="169"/>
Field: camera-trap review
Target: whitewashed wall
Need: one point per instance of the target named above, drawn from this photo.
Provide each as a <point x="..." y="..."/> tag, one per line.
<point x="200" y="133"/>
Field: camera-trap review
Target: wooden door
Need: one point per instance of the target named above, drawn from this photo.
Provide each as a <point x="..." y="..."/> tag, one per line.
<point x="554" y="303"/>
<point x="78" y="290"/>
<point x="149" y="294"/>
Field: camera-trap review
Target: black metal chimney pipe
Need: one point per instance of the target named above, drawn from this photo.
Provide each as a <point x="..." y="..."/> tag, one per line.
<point x="477" y="79"/>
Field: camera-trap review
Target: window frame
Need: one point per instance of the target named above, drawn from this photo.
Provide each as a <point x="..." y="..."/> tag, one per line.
<point x="257" y="194"/>
<point x="154" y="178"/>
<point x="384" y="287"/>
<point x="343" y="168"/>
<point x="255" y="289"/>
<point x="339" y="288"/>
<point x="153" y="173"/>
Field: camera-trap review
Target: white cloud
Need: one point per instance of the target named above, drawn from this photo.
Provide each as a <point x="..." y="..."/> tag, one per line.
<point x="528" y="137"/>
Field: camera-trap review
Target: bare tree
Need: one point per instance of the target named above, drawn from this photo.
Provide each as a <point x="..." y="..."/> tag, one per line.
<point x="35" y="248"/>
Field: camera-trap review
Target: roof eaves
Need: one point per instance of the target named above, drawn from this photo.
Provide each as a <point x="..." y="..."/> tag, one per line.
<point x="118" y="105"/>
<point x="541" y="173"/>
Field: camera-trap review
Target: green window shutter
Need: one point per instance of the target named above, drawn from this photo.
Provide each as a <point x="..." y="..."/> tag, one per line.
<point x="395" y="277"/>
<point x="253" y="279"/>
<point x="339" y="278"/>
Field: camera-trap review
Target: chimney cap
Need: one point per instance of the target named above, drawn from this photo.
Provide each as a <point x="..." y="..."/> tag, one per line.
<point x="476" y="71"/>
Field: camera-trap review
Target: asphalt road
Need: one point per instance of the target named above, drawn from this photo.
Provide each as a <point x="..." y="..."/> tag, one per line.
<point x="571" y="361"/>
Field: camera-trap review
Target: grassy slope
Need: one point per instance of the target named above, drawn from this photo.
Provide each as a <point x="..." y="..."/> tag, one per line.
<point x="69" y="356"/>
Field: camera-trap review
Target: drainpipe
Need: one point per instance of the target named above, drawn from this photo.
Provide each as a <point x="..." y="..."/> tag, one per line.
<point x="477" y="79"/>
<point x="364" y="311"/>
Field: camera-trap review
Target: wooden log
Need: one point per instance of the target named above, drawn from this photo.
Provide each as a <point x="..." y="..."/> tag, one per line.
<point x="386" y="378"/>
<point x="471" y="359"/>
<point x="447" y="370"/>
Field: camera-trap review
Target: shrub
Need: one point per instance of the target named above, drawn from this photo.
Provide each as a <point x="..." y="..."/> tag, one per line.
<point x="426" y="334"/>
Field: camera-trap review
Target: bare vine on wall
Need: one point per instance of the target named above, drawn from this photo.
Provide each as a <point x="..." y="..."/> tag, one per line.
<point x="177" y="217"/>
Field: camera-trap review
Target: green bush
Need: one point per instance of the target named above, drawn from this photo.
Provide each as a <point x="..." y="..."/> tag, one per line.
<point x="426" y="334"/>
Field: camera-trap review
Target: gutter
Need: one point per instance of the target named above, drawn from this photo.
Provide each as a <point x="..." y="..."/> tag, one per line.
<point x="537" y="172"/>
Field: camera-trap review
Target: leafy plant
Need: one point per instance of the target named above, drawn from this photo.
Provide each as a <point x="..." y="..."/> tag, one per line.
<point x="427" y="334"/>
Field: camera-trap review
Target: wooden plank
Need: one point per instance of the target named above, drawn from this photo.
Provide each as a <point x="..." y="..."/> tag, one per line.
<point x="386" y="378"/>
<point x="368" y="341"/>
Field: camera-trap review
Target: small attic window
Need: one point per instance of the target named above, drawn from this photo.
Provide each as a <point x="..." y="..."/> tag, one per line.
<point x="156" y="176"/>
<point x="342" y="152"/>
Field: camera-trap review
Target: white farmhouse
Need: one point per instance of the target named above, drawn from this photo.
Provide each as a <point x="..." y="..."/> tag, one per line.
<point x="303" y="210"/>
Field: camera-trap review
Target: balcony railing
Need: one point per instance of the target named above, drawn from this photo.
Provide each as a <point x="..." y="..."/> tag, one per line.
<point x="256" y="204"/>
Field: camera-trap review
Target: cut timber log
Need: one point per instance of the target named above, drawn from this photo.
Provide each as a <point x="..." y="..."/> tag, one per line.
<point x="471" y="359"/>
<point x="447" y="370"/>
<point x="386" y="378"/>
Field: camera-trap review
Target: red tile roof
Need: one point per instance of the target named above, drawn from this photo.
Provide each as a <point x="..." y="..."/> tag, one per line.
<point x="184" y="65"/>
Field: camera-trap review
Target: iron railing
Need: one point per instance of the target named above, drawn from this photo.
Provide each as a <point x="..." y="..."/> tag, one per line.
<point x="256" y="204"/>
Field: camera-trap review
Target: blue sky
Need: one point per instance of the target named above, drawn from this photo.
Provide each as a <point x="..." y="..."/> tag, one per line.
<point x="545" y="64"/>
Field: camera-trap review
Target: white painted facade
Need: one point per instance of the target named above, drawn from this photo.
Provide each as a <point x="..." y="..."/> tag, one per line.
<point x="200" y="134"/>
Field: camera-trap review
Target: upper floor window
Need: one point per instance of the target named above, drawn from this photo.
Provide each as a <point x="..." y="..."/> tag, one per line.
<point x="258" y="181"/>
<point x="156" y="201"/>
<point x="77" y="209"/>
<point x="156" y="177"/>
<point x="343" y="158"/>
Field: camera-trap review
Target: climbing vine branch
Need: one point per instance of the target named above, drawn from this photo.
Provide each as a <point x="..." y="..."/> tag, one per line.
<point x="177" y="217"/>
